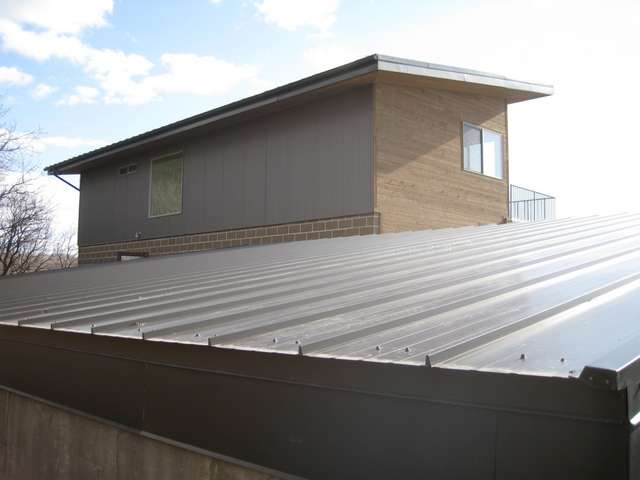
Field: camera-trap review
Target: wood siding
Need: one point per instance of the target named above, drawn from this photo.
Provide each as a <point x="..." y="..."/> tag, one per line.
<point x="309" y="162"/>
<point x="420" y="182"/>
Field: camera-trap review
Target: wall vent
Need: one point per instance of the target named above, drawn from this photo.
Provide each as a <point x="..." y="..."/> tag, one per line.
<point x="128" y="169"/>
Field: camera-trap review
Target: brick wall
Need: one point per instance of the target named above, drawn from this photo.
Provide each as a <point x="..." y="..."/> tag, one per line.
<point x="310" y="230"/>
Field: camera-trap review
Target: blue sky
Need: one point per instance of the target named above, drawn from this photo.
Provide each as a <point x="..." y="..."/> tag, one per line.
<point x="89" y="72"/>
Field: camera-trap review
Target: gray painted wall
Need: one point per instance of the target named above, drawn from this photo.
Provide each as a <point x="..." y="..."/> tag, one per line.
<point x="309" y="162"/>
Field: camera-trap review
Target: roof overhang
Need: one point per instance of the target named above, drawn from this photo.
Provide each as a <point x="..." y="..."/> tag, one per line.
<point x="460" y="79"/>
<point x="363" y="71"/>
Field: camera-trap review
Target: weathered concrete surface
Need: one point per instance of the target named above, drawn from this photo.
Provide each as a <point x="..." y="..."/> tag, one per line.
<point x="41" y="442"/>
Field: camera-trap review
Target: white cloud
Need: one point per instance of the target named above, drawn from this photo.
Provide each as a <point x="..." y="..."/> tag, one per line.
<point x="592" y="60"/>
<point x="126" y="78"/>
<point x="43" y="90"/>
<point x="324" y="56"/>
<point x="70" y="16"/>
<point x="41" y="144"/>
<point x="82" y="95"/>
<point x="294" y="14"/>
<point x="34" y="144"/>
<point x="14" y="76"/>
<point x="200" y="75"/>
<point x="112" y="68"/>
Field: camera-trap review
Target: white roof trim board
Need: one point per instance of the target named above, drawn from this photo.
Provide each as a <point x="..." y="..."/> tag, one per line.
<point x="557" y="298"/>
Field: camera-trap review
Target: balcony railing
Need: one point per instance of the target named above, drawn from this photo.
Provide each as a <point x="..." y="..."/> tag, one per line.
<point x="529" y="206"/>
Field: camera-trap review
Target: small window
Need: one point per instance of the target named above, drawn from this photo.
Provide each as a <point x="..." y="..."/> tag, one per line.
<point x="128" y="169"/>
<point x="128" y="256"/>
<point x="482" y="150"/>
<point x="165" y="189"/>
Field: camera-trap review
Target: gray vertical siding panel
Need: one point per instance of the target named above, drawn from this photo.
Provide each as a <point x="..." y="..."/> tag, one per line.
<point x="84" y="209"/>
<point x="213" y="192"/>
<point x="121" y="205"/>
<point x="301" y="189"/>
<point x="358" y="172"/>
<point x="193" y="211"/>
<point x="132" y="210"/>
<point x="327" y="188"/>
<point x="97" y="198"/>
<point x="137" y="198"/>
<point x="255" y="181"/>
<point x="308" y="162"/>
<point x="278" y="177"/>
<point x="233" y="182"/>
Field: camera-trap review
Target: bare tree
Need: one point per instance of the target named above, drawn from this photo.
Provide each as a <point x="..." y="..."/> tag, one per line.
<point x="65" y="252"/>
<point x="25" y="219"/>
<point x="13" y="144"/>
<point x="25" y="231"/>
<point x="13" y="147"/>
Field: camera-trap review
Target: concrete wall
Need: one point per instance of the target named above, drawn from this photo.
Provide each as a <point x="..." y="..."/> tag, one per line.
<point x="420" y="182"/>
<point x="41" y="442"/>
<point x="309" y="162"/>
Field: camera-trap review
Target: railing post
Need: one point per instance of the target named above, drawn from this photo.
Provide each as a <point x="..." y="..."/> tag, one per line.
<point x="529" y="205"/>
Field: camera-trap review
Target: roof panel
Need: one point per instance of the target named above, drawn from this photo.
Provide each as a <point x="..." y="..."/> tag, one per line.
<point x="550" y="298"/>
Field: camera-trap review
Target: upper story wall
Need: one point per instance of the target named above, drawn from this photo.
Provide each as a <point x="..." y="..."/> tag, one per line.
<point x="420" y="182"/>
<point x="309" y="162"/>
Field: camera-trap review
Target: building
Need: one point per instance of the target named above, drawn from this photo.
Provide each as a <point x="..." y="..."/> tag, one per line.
<point x="378" y="145"/>
<point x="486" y="352"/>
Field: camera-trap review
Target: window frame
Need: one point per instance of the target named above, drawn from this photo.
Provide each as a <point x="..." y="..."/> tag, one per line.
<point x="482" y="130"/>
<point x="128" y="169"/>
<point x="151" y="162"/>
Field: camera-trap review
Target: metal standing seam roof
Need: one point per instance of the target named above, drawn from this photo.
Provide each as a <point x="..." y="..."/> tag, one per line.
<point x="370" y="64"/>
<point x="556" y="298"/>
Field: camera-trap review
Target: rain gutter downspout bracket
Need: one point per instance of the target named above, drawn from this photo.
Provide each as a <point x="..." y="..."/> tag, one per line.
<point x="66" y="181"/>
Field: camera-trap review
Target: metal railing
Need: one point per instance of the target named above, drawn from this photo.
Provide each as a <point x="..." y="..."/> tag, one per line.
<point x="527" y="205"/>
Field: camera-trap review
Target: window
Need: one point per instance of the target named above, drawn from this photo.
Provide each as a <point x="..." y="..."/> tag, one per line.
<point x="165" y="189"/>
<point x="482" y="150"/>
<point x="472" y="139"/>
<point x="128" y="169"/>
<point x="128" y="256"/>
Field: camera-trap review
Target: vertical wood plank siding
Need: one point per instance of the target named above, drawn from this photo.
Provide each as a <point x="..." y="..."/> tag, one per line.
<point x="420" y="182"/>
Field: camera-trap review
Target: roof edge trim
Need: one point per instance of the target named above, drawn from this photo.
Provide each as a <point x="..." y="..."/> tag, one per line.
<point x="362" y="66"/>
<point x="412" y="67"/>
<point x="342" y="73"/>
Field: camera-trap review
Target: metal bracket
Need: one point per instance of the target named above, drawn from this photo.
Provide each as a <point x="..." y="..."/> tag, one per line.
<point x="66" y="181"/>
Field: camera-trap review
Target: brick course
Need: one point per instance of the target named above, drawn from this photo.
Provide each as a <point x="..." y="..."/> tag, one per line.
<point x="310" y="230"/>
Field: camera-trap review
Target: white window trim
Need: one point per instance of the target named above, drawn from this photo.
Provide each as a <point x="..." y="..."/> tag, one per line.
<point x="161" y="157"/>
<point x="482" y="130"/>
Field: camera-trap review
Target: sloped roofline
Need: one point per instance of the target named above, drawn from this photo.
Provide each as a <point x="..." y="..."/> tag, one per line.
<point x="370" y="64"/>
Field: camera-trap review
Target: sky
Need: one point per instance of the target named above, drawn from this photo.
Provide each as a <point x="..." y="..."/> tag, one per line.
<point x="85" y="73"/>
